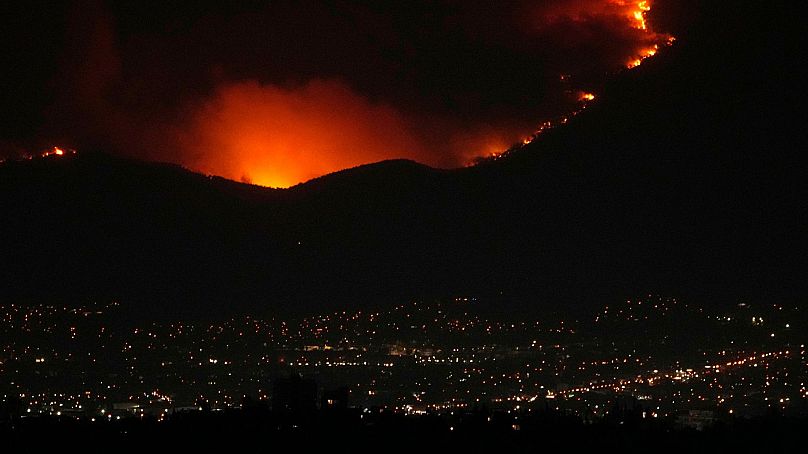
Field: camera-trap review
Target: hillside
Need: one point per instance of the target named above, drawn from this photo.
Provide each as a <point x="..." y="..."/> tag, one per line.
<point x="686" y="178"/>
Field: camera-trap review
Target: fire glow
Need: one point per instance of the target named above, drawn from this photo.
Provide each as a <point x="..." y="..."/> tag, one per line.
<point x="275" y="137"/>
<point x="636" y="12"/>
<point x="639" y="15"/>
<point x="265" y="126"/>
<point x="640" y="9"/>
<point x="54" y="151"/>
<point x="278" y="137"/>
<point x="50" y="152"/>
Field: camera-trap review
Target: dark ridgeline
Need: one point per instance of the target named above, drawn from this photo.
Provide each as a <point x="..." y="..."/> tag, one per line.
<point x="685" y="177"/>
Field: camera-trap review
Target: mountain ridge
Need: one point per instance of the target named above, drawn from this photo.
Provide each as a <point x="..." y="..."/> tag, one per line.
<point x="667" y="184"/>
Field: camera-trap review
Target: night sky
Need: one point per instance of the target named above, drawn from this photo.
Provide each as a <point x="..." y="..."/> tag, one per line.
<point x="277" y="93"/>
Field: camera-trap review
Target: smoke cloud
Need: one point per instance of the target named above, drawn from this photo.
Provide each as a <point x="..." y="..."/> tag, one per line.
<point x="278" y="137"/>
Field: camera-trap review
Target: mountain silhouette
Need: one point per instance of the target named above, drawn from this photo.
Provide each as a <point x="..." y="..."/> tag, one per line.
<point x="686" y="177"/>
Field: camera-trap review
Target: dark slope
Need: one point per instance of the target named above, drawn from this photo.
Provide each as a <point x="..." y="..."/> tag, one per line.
<point x="94" y="226"/>
<point x="689" y="175"/>
<point x="684" y="178"/>
<point x="170" y="241"/>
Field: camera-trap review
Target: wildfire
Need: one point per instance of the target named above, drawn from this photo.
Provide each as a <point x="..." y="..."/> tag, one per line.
<point x="28" y="156"/>
<point x="647" y="53"/>
<point x="278" y="134"/>
<point x="637" y="15"/>
<point x="56" y="151"/>
<point x="635" y="12"/>
<point x="586" y="97"/>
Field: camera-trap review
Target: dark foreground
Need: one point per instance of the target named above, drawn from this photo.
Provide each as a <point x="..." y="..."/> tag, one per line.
<point x="258" y="429"/>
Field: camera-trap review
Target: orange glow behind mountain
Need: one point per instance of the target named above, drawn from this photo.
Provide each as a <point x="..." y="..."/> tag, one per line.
<point x="279" y="136"/>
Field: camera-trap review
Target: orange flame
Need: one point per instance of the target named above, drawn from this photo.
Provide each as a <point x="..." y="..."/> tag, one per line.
<point x="635" y="12"/>
<point x="586" y="97"/>
<point x="55" y="151"/>
<point x="637" y="15"/>
<point x="647" y="53"/>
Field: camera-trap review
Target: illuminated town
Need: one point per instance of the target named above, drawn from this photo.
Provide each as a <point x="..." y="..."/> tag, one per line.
<point x="417" y="358"/>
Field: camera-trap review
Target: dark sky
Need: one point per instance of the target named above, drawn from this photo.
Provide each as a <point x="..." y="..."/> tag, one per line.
<point x="280" y="92"/>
